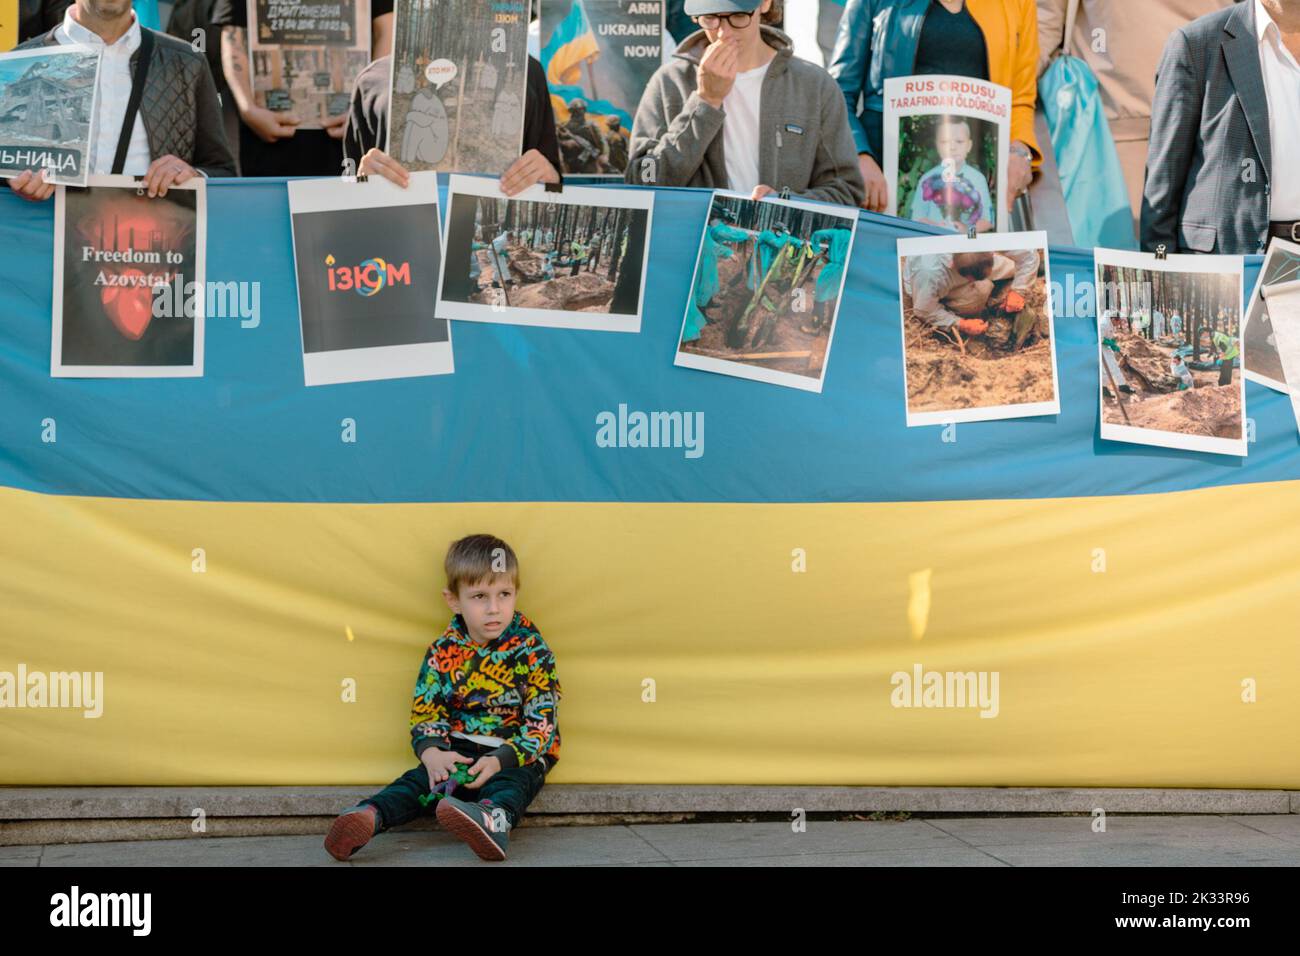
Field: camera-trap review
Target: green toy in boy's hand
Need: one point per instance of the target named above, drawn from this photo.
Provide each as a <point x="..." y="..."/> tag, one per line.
<point x="458" y="777"/>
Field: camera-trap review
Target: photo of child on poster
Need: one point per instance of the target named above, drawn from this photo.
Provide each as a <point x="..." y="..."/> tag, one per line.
<point x="128" y="271"/>
<point x="947" y="140"/>
<point x="598" y="56"/>
<point x="306" y="57"/>
<point x="459" y="76"/>
<point x="766" y="292"/>
<point x="1168" y="336"/>
<point x="1263" y="365"/>
<point x="978" y="337"/>
<point x="573" y="260"/>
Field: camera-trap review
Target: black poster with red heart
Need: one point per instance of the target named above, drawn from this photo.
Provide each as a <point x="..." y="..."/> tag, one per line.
<point x="127" y="281"/>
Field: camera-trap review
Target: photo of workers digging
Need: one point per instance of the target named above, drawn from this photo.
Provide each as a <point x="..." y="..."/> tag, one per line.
<point x="513" y="260"/>
<point x="767" y="288"/>
<point x="977" y="328"/>
<point x="1171" y="354"/>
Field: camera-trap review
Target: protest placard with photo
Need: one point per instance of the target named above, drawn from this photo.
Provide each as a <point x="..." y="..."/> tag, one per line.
<point x="367" y="257"/>
<point x="305" y="55"/>
<point x="947" y="139"/>
<point x="598" y="56"/>
<point x="128" y="280"/>
<point x="1281" y="264"/>
<point x="48" y="98"/>
<point x="570" y="260"/>
<point x="978" y="336"/>
<point x="766" y="291"/>
<point x="1169" y="350"/>
<point x="1284" y="310"/>
<point x="459" y="81"/>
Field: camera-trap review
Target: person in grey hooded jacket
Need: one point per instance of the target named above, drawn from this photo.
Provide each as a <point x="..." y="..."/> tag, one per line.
<point x="736" y="110"/>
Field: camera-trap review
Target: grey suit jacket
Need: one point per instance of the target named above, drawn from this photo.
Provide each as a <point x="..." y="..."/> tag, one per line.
<point x="179" y="108"/>
<point x="1209" y="162"/>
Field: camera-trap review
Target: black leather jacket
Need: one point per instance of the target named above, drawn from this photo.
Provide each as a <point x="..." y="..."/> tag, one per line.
<point x="179" y="108"/>
<point x="37" y="16"/>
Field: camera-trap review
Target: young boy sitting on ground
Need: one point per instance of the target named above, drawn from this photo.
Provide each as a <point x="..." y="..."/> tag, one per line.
<point x="486" y="696"/>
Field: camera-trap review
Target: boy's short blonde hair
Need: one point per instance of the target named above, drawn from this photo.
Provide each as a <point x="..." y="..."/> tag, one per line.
<point x="479" y="556"/>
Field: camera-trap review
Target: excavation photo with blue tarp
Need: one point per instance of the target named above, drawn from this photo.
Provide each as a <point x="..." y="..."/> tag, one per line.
<point x="767" y="289"/>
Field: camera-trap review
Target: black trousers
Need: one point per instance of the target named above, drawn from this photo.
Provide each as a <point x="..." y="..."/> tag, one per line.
<point x="1225" y="371"/>
<point x="511" y="790"/>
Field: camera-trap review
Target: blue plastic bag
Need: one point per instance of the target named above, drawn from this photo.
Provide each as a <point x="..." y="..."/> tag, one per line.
<point x="1091" y="178"/>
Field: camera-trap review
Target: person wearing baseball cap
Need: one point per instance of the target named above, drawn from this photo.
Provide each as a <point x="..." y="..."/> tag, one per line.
<point x="734" y="109"/>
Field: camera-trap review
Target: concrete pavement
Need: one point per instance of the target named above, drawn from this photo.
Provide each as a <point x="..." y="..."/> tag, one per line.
<point x="1206" y="840"/>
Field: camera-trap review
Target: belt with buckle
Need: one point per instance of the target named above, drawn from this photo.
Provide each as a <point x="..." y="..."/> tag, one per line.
<point x="1285" y="230"/>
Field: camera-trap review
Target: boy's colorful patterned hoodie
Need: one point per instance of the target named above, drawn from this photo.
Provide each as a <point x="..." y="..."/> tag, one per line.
<point x="506" y="688"/>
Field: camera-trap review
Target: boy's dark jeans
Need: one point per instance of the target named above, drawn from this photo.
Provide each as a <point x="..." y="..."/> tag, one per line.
<point x="511" y="790"/>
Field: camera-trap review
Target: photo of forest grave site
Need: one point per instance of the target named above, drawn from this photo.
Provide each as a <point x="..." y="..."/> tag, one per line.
<point x="948" y="171"/>
<point x="977" y="329"/>
<point x="457" y="101"/>
<point x="767" y="285"/>
<point x="553" y="256"/>
<point x="1170" y="350"/>
<point x="1282" y="264"/>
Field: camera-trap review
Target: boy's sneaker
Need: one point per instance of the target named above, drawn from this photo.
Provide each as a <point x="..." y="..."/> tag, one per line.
<point x="484" y="828"/>
<point x="351" y="830"/>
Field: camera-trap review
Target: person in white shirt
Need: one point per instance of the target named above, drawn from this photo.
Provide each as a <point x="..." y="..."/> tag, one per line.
<point x="735" y="109"/>
<point x="161" y="152"/>
<point x="1221" y="171"/>
<point x="1277" y="22"/>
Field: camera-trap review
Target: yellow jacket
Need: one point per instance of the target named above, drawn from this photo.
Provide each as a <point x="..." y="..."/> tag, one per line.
<point x="878" y="39"/>
<point x="1011" y="35"/>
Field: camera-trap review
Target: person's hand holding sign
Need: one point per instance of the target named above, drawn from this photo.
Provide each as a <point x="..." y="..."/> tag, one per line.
<point x="269" y="125"/>
<point x="335" y="125"/>
<point x="165" y="172"/>
<point x="378" y="163"/>
<point x="528" y="170"/>
<point x="31" y="185"/>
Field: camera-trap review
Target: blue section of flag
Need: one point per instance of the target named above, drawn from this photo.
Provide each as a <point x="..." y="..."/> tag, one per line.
<point x="517" y="420"/>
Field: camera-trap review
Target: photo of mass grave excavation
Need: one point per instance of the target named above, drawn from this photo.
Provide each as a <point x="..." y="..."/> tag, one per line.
<point x="976" y="330"/>
<point x="1170" y="351"/>
<point x="767" y="285"/>
<point x="557" y="256"/>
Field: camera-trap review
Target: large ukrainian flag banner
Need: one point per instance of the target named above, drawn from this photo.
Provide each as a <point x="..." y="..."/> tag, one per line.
<point x="1139" y="606"/>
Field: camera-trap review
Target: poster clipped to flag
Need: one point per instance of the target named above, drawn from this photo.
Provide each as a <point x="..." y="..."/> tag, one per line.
<point x="1169" y="350"/>
<point x="769" y="275"/>
<point x="306" y="57"/>
<point x="1284" y="312"/>
<point x="598" y="56"/>
<point x="947" y="141"/>
<point x="128" y="280"/>
<point x="1259" y="338"/>
<point x="47" y="103"/>
<point x="978" y="337"/>
<point x="459" y="80"/>
<point x="568" y="260"/>
<point x="367" y="256"/>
